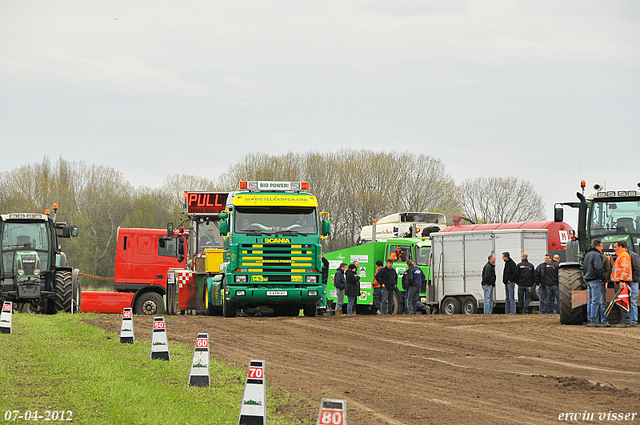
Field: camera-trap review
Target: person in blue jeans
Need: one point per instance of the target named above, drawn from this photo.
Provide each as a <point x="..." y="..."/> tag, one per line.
<point x="593" y="270"/>
<point x="489" y="283"/>
<point x="413" y="293"/>
<point x="553" y="284"/>
<point x="509" y="278"/>
<point x="353" y="288"/>
<point x="542" y="285"/>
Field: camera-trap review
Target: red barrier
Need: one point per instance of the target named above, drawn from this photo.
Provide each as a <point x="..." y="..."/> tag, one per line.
<point x="106" y="302"/>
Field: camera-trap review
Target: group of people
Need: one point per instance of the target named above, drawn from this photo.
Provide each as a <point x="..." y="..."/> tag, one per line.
<point x="347" y="283"/>
<point x="544" y="277"/>
<point x="599" y="271"/>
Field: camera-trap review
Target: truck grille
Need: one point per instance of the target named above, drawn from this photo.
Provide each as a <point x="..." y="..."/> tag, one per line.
<point x="28" y="264"/>
<point x="277" y="262"/>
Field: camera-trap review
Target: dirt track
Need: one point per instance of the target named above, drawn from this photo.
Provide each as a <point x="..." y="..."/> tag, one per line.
<point x="430" y="369"/>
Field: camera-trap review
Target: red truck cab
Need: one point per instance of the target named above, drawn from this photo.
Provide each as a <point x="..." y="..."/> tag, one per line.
<point x="143" y="257"/>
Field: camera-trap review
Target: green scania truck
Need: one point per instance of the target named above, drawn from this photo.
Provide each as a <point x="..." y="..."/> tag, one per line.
<point x="271" y="253"/>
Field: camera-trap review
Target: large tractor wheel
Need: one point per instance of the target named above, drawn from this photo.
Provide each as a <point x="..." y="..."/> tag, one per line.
<point x="570" y="279"/>
<point x="149" y="303"/>
<point x="63" y="291"/>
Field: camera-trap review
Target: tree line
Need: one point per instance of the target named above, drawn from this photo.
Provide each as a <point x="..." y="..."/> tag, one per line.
<point x="354" y="186"/>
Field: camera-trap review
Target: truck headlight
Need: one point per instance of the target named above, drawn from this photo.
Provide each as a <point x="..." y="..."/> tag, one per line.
<point x="241" y="279"/>
<point x="312" y="279"/>
<point x="313" y="293"/>
<point x="241" y="293"/>
<point x="20" y="272"/>
<point x="36" y="272"/>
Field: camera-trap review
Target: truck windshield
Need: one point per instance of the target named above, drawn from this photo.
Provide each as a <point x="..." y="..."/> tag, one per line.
<point x="24" y="236"/>
<point x="271" y="220"/>
<point x="615" y="217"/>
<point x="209" y="235"/>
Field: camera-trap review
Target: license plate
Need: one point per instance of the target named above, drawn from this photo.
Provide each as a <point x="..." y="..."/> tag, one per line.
<point x="276" y="293"/>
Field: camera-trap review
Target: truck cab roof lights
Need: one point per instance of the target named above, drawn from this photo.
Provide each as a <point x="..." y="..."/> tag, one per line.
<point x="274" y="186"/>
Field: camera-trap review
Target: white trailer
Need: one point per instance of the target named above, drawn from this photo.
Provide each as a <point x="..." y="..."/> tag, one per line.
<point x="458" y="259"/>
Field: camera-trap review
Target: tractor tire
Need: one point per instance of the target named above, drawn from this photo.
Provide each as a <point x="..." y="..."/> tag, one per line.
<point x="469" y="305"/>
<point x="451" y="305"/>
<point x="63" y="291"/>
<point x="149" y="304"/>
<point x="570" y="279"/>
<point x="311" y="310"/>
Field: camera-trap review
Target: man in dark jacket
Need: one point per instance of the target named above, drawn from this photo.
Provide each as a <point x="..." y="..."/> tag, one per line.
<point x="542" y="285"/>
<point x="553" y="286"/>
<point x="352" y="290"/>
<point x="413" y="293"/>
<point x="489" y="283"/>
<point x="388" y="279"/>
<point x="509" y="278"/>
<point x="593" y="270"/>
<point x="526" y="278"/>
<point x="340" y="284"/>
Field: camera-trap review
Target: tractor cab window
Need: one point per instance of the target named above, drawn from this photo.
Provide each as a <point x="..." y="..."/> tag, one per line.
<point x="24" y="236"/>
<point x="286" y="221"/>
<point x="209" y="235"/>
<point x="615" y="217"/>
<point x="399" y="253"/>
<point x="422" y="255"/>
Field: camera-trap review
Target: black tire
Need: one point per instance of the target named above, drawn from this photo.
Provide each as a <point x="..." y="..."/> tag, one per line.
<point x="149" y="304"/>
<point x="63" y="290"/>
<point x="228" y="308"/>
<point x="469" y="306"/>
<point x="311" y="310"/>
<point x="451" y="305"/>
<point x="398" y="302"/>
<point x="570" y="279"/>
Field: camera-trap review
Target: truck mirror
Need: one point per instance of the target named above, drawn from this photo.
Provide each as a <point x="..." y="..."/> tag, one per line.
<point x="62" y="230"/>
<point x="181" y="248"/>
<point x="74" y="231"/>
<point x="326" y="227"/>
<point x="224" y="227"/>
<point x="169" y="229"/>
<point x="558" y="214"/>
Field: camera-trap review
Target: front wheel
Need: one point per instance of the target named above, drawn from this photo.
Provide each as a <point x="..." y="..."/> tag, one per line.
<point x="228" y="308"/>
<point x="570" y="279"/>
<point x="311" y="310"/>
<point x="63" y="291"/>
<point x="398" y="300"/>
<point x="149" y="303"/>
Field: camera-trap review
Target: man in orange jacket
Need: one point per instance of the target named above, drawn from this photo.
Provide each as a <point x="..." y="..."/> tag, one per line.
<point x="621" y="276"/>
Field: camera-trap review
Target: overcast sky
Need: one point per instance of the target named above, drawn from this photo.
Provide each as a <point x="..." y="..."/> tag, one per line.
<point x="548" y="91"/>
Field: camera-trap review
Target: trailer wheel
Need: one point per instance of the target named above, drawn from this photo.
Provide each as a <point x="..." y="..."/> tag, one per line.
<point x="469" y="305"/>
<point x="311" y="310"/>
<point x="149" y="303"/>
<point x="63" y="291"/>
<point x="570" y="279"/>
<point x="451" y="305"/>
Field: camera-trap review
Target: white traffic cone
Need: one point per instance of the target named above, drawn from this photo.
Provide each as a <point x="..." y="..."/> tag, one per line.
<point x="159" y="346"/>
<point x="254" y="400"/>
<point x="5" y="317"/>
<point x="332" y="412"/>
<point x="199" y="375"/>
<point x="126" y="330"/>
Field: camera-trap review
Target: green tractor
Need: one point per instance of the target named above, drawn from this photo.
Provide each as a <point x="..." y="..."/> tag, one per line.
<point x="34" y="273"/>
<point x="607" y="215"/>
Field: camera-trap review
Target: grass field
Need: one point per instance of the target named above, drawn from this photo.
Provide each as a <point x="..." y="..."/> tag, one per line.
<point x="57" y="363"/>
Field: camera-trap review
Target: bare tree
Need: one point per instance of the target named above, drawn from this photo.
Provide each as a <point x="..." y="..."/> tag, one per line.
<point x="500" y="199"/>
